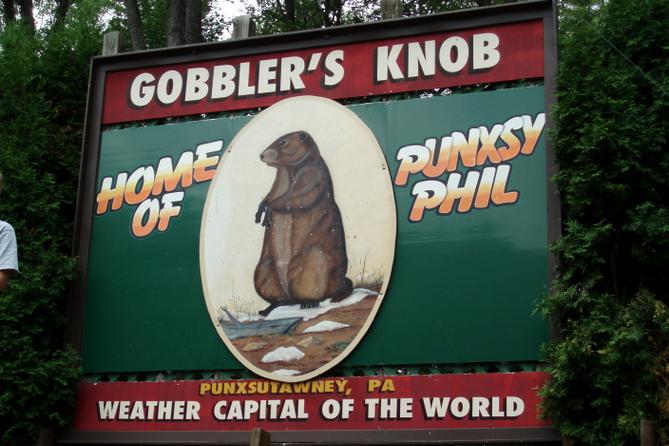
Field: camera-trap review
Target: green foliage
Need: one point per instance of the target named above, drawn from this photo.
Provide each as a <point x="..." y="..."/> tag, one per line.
<point x="43" y="84"/>
<point x="272" y="16"/>
<point x="213" y="23"/>
<point x="154" y="20"/>
<point x="610" y="297"/>
<point x="153" y="14"/>
<point x="423" y="7"/>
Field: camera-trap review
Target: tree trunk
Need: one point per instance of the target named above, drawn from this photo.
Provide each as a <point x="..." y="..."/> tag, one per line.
<point x="490" y="2"/>
<point x="26" y="9"/>
<point x="332" y="12"/>
<point x="193" y="22"/>
<point x="289" y="14"/>
<point x="336" y="11"/>
<point x="61" y="11"/>
<point x="175" y="22"/>
<point x="8" y="11"/>
<point x="134" y="25"/>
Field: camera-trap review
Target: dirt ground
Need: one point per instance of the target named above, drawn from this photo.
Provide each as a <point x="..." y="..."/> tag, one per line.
<point x="318" y="348"/>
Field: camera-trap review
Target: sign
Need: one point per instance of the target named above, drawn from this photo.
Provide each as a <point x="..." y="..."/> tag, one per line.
<point x="434" y="402"/>
<point x="419" y="62"/>
<point x="294" y="207"/>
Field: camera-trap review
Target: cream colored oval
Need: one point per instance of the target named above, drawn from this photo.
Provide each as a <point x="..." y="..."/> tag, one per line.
<point x="230" y="240"/>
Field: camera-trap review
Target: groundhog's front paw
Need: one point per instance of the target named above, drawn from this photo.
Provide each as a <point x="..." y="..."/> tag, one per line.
<point x="262" y="207"/>
<point x="267" y="222"/>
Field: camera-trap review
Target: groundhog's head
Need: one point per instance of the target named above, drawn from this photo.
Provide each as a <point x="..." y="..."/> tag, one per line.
<point x="292" y="149"/>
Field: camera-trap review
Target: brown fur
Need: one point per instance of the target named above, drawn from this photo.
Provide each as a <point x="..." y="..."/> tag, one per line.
<point x="303" y="258"/>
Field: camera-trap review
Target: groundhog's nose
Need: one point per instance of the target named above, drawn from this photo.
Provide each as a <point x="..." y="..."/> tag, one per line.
<point x="268" y="156"/>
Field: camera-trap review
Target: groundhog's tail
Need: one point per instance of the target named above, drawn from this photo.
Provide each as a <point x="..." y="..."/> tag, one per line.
<point x="345" y="290"/>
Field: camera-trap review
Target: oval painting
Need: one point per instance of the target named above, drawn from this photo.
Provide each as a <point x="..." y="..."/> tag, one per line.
<point x="297" y="238"/>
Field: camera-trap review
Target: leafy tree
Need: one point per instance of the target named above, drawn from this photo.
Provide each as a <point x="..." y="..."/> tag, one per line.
<point x="22" y="10"/>
<point x="43" y="83"/>
<point x="159" y="23"/>
<point x="275" y="16"/>
<point x="610" y="297"/>
<point x="292" y="15"/>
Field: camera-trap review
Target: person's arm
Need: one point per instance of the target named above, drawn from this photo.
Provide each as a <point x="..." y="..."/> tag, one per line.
<point x="9" y="264"/>
<point x="4" y="277"/>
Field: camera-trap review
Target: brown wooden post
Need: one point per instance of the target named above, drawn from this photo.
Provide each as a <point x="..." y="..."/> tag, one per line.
<point x="568" y="441"/>
<point x="647" y="431"/>
<point x="391" y="9"/>
<point x="46" y="437"/>
<point x="243" y="26"/>
<point x="111" y="43"/>
<point x="260" y="437"/>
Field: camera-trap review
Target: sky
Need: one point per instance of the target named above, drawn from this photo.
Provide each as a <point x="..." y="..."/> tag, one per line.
<point x="230" y="9"/>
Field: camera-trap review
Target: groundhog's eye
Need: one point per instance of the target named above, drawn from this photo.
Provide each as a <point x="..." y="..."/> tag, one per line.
<point x="283" y="142"/>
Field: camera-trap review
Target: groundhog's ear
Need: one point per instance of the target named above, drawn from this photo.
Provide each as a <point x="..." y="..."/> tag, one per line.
<point x="303" y="136"/>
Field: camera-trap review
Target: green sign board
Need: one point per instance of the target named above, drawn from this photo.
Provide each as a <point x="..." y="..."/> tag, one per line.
<point x="469" y="181"/>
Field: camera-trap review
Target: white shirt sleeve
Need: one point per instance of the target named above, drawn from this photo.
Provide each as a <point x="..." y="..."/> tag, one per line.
<point x="8" y="255"/>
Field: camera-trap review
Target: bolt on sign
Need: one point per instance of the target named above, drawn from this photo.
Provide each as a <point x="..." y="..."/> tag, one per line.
<point x="291" y="208"/>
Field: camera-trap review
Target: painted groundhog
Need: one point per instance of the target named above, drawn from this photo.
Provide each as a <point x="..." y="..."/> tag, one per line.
<point x="303" y="258"/>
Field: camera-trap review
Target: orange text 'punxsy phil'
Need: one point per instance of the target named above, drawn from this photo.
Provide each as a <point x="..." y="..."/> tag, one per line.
<point x="471" y="169"/>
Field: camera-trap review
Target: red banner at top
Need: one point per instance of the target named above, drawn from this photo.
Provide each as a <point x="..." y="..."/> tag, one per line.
<point x="421" y="62"/>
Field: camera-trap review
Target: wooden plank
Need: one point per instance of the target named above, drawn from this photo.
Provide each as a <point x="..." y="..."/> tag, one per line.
<point x="259" y="437"/>
<point x="391" y="9"/>
<point x="111" y="43"/>
<point x="243" y="26"/>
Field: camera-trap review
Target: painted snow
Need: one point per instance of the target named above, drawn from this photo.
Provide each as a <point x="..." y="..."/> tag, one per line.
<point x="310" y="313"/>
<point x="283" y="354"/>
<point x="325" y="306"/>
<point x="286" y="372"/>
<point x="326" y="326"/>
